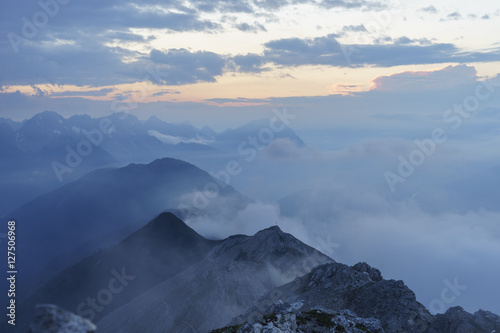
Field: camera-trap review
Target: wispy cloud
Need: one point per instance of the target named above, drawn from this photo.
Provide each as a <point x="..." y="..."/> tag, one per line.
<point x="95" y="93"/>
<point x="429" y="9"/>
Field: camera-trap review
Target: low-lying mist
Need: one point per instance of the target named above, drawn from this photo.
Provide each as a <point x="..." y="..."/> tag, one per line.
<point x="436" y="232"/>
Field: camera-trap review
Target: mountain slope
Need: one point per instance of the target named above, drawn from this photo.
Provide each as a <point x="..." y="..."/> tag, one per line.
<point x="102" y="208"/>
<point x="157" y="251"/>
<point x="207" y="295"/>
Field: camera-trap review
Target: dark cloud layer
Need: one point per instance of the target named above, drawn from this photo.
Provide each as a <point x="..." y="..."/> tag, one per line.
<point x="85" y="43"/>
<point x="327" y="50"/>
<point x="180" y="66"/>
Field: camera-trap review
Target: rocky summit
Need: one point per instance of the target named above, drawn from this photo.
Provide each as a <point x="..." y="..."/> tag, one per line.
<point x="208" y="294"/>
<point x="337" y="298"/>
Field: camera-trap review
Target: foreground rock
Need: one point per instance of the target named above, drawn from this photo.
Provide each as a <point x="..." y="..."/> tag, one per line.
<point x="338" y="298"/>
<point x="457" y="319"/>
<point x="285" y="318"/>
<point x="52" y="319"/>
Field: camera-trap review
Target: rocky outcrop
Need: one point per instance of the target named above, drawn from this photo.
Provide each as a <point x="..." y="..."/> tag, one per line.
<point x="52" y="319"/>
<point x="285" y="318"/>
<point x="458" y="320"/>
<point x="338" y="298"/>
<point x="359" y="289"/>
<point x="207" y="295"/>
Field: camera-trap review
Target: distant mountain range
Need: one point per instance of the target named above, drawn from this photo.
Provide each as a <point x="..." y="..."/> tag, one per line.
<point x="42" y="153"/>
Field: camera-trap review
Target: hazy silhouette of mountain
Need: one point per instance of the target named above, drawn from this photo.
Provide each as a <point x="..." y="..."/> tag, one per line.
<point x="152" y="254"/>
<point x="30" y="148"/>
<point x="208" y="294"/>
<point x="260" y="130"/>
<point x="102" y="208"/>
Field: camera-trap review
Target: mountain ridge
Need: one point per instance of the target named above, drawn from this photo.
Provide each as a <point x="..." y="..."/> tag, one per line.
<point x="232" y="275"/>
<point x="336" y="296"/>
<point x="160" y="249"/>
<point x="81" y="214"/>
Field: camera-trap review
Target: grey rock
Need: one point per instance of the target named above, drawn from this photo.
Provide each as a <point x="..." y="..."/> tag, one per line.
<point x="360" y="289"/>
<point x="356" y="294"/>
<point x="285" y="318"/>
<point x="457" y="320"/>
<point x="52" y="319"/>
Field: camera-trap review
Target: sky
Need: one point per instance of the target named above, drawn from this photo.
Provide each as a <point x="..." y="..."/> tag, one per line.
<point x="372" y="85"/>
<point x="194" y="57"/>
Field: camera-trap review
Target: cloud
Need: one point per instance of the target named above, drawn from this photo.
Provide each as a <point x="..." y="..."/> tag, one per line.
<point x="352" y="4"/>
<point x="429" y="9"/>
<point x="238" y="100"/>
<point x="100" y="92"/>
<point x="91" y="63"/>
<point x="86" y="63"/>
<point x="125" y="36"/>
<point x="173" y="140"/>
<point x="98" y="17"/>
<point x="353" y="224"/>
<point x="283" y="149"/>
<point x="248" y="63"/>
<point x="354" y="28"/>
<point x="96" y="50"/>
<point x="256" y="27"/>
<point x="166" y="92"/>
<point x="445" y="78"/>
<point x="406" y="40"/>
<point x="452" y="17"/>
<point x="180" y="66"/>
<point x="327" y="50"/>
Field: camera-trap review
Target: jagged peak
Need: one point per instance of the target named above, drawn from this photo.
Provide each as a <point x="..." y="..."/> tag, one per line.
<point x="271" y="230"/>
<point x="266" y="243"/>
<point x="170" y="229"/>
<point x="46" y="117"/>
<point x="48" y="114"/>
<point x="158" y="164"/>
<point x="154" y="118"/>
